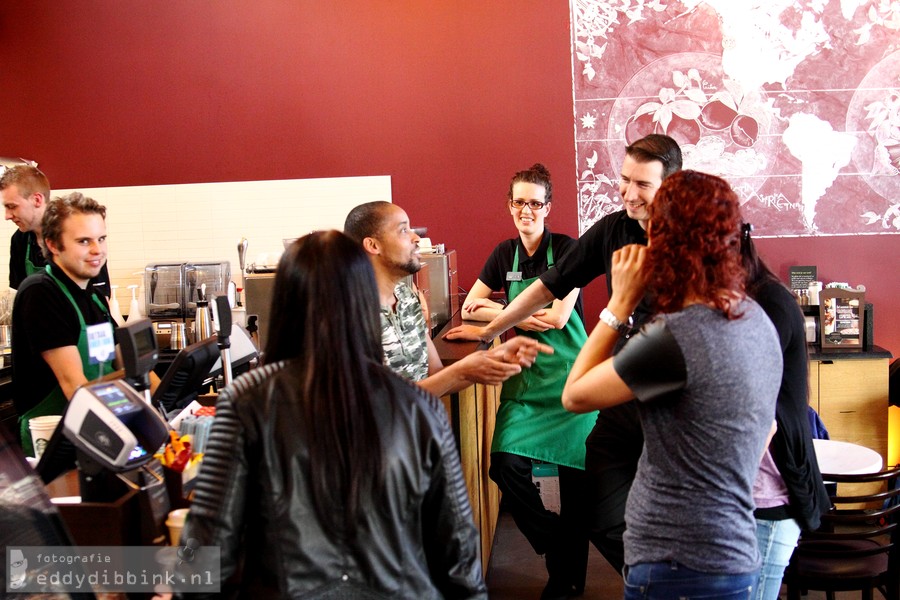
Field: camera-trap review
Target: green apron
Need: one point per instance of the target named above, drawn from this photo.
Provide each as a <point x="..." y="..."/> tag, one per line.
<point x="531" y="420"/>
<point x="30" y="267"/>
<point x="55" y="402"/>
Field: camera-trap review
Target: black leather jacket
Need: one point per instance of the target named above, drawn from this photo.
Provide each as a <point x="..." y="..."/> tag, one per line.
<point x="253" y="500"/>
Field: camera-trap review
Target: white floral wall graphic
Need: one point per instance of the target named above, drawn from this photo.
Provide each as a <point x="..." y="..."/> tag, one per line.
<point x="795" y="103"/>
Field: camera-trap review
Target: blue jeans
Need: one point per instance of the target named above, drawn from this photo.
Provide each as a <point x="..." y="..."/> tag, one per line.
<point x="777" y="540"/>
<point x="674" y="581"/>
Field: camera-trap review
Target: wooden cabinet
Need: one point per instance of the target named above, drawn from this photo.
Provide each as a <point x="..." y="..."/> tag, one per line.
<point x="850" y="393"/>
<point x="473" y="413"/>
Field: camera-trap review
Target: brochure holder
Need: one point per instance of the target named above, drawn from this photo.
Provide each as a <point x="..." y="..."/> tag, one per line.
<point x="841" y="318"/>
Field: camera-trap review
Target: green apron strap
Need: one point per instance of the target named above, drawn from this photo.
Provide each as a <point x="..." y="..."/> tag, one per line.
<point x="55" y="402"/>
<point x="30" y="267"/>
<point x="517" y="287"/>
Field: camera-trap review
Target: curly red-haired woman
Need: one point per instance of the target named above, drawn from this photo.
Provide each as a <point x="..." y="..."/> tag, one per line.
<point x="706" y="373"/>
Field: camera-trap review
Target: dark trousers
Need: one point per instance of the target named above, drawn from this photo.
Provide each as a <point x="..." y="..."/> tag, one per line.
<point x="562" y="538"/>
<point x="612" y="452"/>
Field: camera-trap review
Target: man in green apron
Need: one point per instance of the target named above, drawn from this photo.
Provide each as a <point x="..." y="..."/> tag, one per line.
<point x="26" y="191"/>
<point x="62" y="332"/>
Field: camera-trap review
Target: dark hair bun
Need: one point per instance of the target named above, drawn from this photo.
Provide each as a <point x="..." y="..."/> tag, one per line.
<point x="539" y="168"/>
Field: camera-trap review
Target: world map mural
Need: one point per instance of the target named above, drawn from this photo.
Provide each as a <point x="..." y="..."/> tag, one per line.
<point x="796" y="104"/>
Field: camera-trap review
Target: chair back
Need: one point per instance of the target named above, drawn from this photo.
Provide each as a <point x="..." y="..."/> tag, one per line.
<point x="857" y="546"/>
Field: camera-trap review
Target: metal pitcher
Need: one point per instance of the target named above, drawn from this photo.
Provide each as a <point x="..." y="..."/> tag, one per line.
<point x="202" y="322"/>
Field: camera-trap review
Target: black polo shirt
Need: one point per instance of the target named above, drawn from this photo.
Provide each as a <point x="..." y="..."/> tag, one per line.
<point x="500" y="262"/>
<point x="592" y="257"/>
<point x="18" y="246"/>
<point x="44" y="319"/>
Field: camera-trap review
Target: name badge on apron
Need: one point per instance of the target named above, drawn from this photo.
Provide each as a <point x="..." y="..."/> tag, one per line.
<point x="101" y="342"/>
<point x="514" y="275"/>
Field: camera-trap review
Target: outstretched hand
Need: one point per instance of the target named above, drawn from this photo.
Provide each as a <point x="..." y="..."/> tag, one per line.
<point x="498" y="364"/>
<point x="471" y="333"/>
<point x="474" y="333"/>
<point x="481" y="367"/>
<point x="520" y="350"/>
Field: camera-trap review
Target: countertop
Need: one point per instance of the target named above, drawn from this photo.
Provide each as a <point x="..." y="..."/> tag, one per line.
<point x="816" y="353"/>
<point x="452" y="351"/>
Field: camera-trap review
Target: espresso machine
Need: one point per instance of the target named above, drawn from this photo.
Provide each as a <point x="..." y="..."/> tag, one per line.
<point x="177" y="296"/>
<point x="442" y="285"/>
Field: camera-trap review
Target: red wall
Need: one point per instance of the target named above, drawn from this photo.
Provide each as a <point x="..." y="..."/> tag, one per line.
<point x="448" y="98"/>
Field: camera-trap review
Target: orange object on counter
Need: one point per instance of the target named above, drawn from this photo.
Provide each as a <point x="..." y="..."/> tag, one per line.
<point x="205" y="411"/>
<point x="177" y="453"/>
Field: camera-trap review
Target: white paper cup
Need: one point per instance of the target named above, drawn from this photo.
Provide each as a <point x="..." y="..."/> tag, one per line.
<point x="175" y="522"/>
<point x="42" y="429"/>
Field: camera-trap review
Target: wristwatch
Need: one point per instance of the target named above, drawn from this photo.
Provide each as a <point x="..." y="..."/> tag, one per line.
<point x="610" y="319"/>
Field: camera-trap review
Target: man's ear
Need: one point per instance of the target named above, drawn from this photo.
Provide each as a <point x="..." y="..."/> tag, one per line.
<point x="39" y="199"/>
<point x="51" y="247"/>
<point x="370" y="245"/>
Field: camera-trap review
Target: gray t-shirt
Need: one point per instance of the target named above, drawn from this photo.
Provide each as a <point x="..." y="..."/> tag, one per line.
<point x="706" y="388"/>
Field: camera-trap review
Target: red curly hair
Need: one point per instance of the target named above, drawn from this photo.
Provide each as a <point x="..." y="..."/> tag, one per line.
<point x="694" y="251"/>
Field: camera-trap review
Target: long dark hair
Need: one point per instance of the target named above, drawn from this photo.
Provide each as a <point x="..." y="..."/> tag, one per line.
<point x="325" y="322"/>
<point x="758" y="272"/>
<point x="695" y="222"/>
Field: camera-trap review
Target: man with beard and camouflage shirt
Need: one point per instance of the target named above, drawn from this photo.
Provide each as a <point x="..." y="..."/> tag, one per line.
<point x="393" y="247"/>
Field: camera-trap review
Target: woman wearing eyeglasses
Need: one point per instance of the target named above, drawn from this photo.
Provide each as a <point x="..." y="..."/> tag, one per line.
<point x="531" y="422"/>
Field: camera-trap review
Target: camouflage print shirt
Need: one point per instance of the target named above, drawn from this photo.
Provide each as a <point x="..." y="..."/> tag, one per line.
<point x="403" y="334"/>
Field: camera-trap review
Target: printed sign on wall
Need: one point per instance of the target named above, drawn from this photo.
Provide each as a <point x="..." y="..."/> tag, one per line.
<point x="796" y="104"/>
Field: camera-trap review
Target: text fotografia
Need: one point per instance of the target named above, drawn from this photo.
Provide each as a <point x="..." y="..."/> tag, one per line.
<point x="52" y="569"/>
<point x="74" y="558"/>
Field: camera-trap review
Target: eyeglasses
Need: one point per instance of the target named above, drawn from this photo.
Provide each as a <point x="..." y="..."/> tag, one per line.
<point x="532" y="204"/>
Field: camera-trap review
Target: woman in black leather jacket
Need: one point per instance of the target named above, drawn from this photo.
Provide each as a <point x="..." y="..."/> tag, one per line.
<point x="327" y="475"/>
<point x="789" y="493"/>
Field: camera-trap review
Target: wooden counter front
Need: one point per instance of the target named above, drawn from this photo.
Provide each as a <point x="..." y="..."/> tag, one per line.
<point x="849" y="388"/>
<point x="473" y="413"/>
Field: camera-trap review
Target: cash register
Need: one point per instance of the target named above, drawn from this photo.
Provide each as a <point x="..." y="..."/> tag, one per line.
<point x="111" y="431"/>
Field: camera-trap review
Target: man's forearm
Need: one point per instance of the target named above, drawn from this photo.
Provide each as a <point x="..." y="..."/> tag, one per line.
<point x="535" y="297"/>
<point x="446" y="381"/>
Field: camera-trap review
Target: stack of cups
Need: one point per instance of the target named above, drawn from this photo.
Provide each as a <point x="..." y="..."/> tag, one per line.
<point x="814" y="288"/>
<point x="42" y="429"/>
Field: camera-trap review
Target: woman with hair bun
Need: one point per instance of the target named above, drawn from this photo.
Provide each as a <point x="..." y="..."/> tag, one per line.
<point x="705" y="372"/>
<point x="531" y="423"/>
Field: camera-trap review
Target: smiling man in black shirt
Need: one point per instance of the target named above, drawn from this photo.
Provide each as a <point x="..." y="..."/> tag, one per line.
<point x="60" y="322"/>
